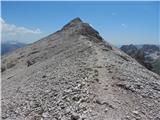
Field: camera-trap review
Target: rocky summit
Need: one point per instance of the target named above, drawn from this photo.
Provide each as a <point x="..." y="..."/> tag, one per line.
<point x="74" y="74"/>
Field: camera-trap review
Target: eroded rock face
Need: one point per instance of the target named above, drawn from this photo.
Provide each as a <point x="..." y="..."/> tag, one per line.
<point x="73" y="23"/>
<point x="75" y="75"/>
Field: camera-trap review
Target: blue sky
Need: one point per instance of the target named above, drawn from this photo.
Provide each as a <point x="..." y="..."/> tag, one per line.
<point x="118" y="22"/>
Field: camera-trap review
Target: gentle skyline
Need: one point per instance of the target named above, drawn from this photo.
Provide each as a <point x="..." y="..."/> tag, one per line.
<point x="117" y="22"/>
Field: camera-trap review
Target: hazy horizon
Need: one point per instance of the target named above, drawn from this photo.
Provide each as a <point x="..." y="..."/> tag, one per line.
<point x="117" y="22"/>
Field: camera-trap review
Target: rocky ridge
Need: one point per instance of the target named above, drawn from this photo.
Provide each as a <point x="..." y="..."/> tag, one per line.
<point x="73" y="74"/>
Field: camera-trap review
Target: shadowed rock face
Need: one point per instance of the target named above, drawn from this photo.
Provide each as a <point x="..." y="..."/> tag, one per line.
<point x="73" y="74"/>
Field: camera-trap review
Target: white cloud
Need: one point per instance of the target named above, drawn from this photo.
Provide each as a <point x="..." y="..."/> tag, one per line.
<point x="124" y="25"/>
<point x="11" y="31"/>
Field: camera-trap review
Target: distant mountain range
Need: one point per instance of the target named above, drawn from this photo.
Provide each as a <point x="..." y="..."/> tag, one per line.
<point x="147" y="55"/>
<point x="11" y="45"/>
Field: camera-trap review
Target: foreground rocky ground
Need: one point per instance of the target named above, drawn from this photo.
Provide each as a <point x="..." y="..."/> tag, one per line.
<point x="74" y="75"/>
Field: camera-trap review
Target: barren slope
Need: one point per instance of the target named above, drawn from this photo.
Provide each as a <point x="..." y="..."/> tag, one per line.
<point x="74" y="75"/>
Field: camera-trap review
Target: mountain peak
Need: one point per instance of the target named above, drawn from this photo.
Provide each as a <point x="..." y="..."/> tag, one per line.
<point x="77" y="26"/>
<point x="73" y="23"/>
<point x="77" y="20"/>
